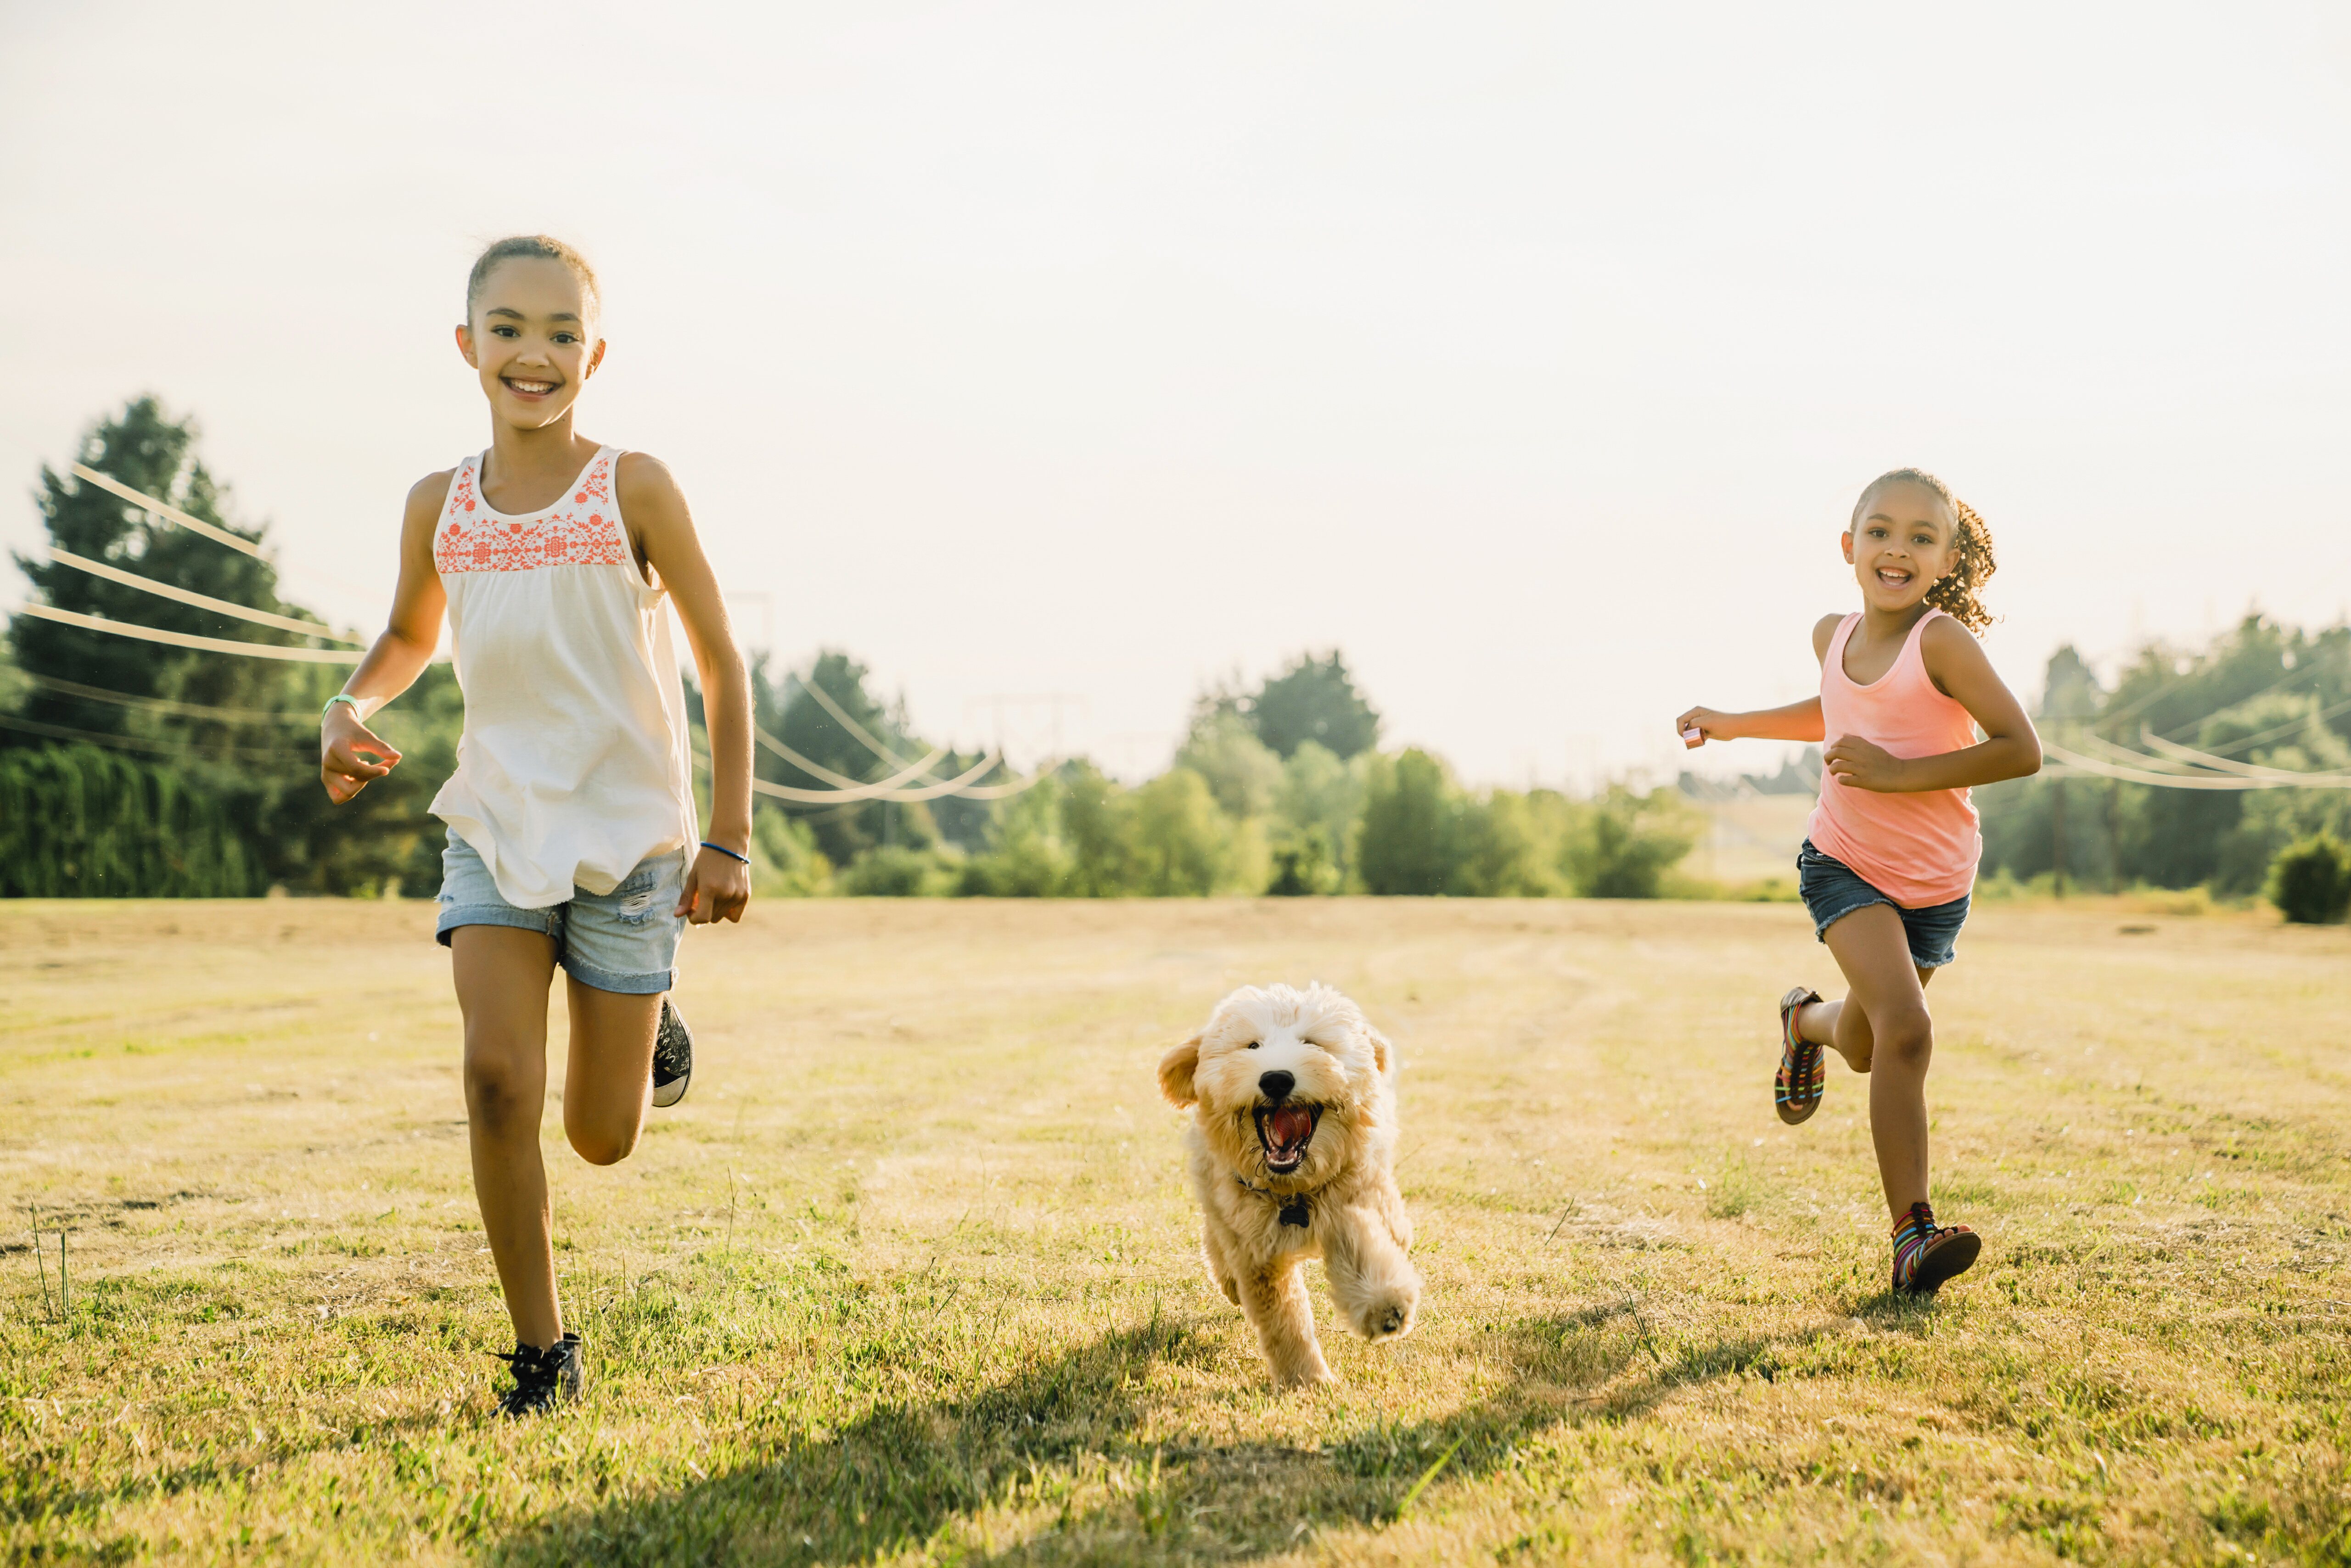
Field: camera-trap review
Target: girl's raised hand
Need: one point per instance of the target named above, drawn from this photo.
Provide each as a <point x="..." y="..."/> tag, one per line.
<point x="717" y="887"/>
<point x="1699" y="725"/>
<point x="350" y="754"/>
<point x="1863" y="763"/>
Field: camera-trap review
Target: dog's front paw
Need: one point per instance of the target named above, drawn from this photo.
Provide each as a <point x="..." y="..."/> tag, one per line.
<point x="1313" y="1376"/>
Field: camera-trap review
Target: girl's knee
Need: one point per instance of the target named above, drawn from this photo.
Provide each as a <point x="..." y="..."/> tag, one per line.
<point x="601" y="1143"/>
<point x="1908" y="1037"/>
<point x="602" y="1149"/>
<point x="501" y="1091"/>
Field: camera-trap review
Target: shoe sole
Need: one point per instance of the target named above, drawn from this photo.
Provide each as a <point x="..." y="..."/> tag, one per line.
<point x="1793" y="1112"/>
<point x="1945" y="1261"/>
<point x="670" y="1094"/>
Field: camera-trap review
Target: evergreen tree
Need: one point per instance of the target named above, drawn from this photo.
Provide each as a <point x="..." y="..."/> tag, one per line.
<point x="793" y="717"/>
<point x="149" y="451"/>
<point x="1314" y="699"/>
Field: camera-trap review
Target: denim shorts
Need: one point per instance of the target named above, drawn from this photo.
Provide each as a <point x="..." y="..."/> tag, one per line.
<point x="624" y="940"/>
<point x="1832" y="890"/>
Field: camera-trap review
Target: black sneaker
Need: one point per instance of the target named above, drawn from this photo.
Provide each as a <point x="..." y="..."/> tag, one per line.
<point x="673" y="1056"/>
<point x="543" y="1378"/>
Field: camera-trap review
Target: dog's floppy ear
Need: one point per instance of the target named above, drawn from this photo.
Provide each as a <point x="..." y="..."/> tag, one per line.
<point x="1176" y="1070"/>
<point x="1383" y="1053"/>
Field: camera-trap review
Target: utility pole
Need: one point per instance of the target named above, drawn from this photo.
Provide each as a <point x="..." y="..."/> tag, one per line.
<point x="2114" y="835"/>
<point x="2057" y="830"/>
<point x="1056" y="702"/>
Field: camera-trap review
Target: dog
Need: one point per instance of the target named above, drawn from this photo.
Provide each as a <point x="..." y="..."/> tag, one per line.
<point x="1292" y="1152"/>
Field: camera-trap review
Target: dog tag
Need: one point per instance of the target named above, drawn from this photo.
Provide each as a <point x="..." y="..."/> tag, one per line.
<point x="1294" y="1213"/>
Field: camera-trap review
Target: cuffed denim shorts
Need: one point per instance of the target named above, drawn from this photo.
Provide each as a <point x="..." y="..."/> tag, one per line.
<point x="624" y="940"/>
<point x="1832" y="890"/>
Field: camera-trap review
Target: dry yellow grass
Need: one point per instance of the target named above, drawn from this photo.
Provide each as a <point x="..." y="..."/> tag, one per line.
<point x="910" y="1276"/>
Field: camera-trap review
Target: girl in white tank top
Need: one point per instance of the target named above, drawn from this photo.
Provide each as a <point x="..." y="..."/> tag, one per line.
<point x="574" y="766"/>
<point x="571" y="813"/>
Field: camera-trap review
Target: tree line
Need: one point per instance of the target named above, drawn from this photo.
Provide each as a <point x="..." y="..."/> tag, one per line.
<point x="1279" y="790"/>
<point x="132" y="769"/>
<point x="2261" y="692"/>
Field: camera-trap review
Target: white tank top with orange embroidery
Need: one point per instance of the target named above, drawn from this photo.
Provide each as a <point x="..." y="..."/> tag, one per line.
<point x="574" y="765"/>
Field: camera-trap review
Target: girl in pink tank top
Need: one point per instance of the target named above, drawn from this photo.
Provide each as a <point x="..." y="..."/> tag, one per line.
<point x="1891" y="859"/>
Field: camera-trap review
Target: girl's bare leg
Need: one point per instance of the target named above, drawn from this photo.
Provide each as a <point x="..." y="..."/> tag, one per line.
<point x="502" y="973"/>
<point x="1881" y="1028"/>
<point x="1845" y="1031"/>
<point x="608" y="1080"/>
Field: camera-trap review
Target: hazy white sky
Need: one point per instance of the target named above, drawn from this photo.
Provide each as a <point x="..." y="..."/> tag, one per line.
<point x="1531" y="354"/>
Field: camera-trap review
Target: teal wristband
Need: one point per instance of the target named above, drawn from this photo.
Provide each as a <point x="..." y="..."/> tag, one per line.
<point x="343" y="698"/>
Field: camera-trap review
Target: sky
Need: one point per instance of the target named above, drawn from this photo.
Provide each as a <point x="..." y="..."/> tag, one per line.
<point x="1531" y="355"/>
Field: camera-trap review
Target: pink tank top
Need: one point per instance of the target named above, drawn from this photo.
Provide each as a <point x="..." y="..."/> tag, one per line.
<point x="1917" y="849"/>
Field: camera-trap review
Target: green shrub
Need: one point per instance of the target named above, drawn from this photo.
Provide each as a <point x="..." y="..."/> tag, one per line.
<point x="1411" y="840"/>
<point x="894" y="871"/>
<point x="1181" y="842"/>
<point x="79" y="822"/>
<point x="1628" y="842"/>
<point x="1302" y="865"/>
<point x="785" y="861"/>
<point x="1025" y="856"/>
<point x="2310" y="882"/>
<point x="1097" y="817"/>
<point x="1241" y="772"/>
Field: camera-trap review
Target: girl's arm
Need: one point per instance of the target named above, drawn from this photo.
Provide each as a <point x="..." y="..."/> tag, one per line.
<point x="717" y="886"/>
<point x="350" y="754"/>
<point x="1956" y="664"/>
<point x="1796" y="721"/>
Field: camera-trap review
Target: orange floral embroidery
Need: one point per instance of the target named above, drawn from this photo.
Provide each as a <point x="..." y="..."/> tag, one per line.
<point x="552" y="539"/>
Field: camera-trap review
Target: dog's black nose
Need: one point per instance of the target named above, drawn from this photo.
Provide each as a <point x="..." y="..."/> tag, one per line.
<point x="1276" y="1084"/>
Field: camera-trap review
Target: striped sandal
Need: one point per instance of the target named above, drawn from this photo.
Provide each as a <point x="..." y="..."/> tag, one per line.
<point x="1796" y="1087"/>
<point x="1927" y="1254"/>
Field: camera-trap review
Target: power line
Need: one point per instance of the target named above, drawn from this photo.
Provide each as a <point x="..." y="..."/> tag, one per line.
<point x="138" y="743"/>
<point x="818" y="770"/>
<point x="824" y="700"/>
<point x="171" y="513"/>
<point x="2189" y="754"/>
<point x="99" y="569"/>
<point x="165" y="704"/>
<point x="2075" y="762"/>
<point x="2277" y="731"/>
<point x="188" y="640"/>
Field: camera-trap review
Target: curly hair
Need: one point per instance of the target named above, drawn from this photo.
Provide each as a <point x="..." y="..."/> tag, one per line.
<point x="1955" y="595"/>
<point x="542" y="248"/>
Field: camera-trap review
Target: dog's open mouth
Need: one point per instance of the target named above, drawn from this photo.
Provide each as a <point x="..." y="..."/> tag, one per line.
<point x="1284" y="1131"/>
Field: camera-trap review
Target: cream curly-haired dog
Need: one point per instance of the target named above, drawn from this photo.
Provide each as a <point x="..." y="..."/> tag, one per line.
<point x="1291" y="1152"/>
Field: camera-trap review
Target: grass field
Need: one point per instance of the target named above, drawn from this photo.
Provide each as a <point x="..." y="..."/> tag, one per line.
<point x="911" y="1278"/>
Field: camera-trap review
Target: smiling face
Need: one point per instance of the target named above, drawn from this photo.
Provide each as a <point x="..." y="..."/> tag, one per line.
<point x="533" y="338"/>
<point x="1903" y="540"/>
<point x="1287" y="1082"/>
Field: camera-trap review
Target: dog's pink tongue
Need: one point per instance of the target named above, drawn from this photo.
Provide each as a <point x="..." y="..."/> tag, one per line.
<point x="1289" y="1125"/>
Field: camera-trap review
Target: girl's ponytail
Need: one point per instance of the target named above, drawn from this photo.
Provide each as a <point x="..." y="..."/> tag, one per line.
<point x="1957" y="595"/>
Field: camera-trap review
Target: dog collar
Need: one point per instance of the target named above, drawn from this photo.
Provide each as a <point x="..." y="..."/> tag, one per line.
<point x="1293" y="1208"/>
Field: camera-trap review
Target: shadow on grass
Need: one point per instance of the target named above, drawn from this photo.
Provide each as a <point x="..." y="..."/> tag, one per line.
<point x="1062" y="1431"/>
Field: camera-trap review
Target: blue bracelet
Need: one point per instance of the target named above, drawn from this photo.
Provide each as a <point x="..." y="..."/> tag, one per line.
<point x="723" y="850"/>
